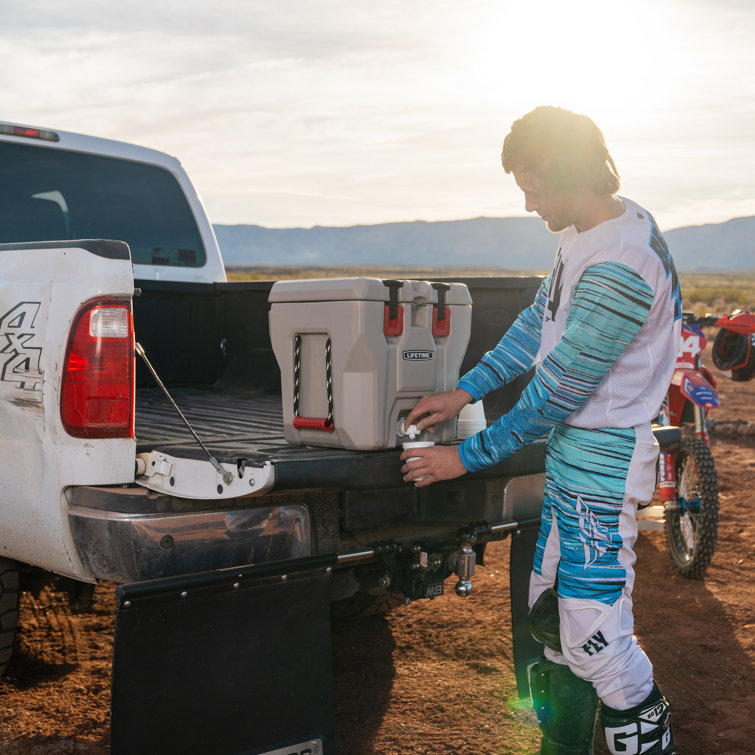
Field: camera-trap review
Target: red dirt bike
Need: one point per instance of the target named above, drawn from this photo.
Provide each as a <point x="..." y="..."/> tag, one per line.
<point x="687" y="479"/>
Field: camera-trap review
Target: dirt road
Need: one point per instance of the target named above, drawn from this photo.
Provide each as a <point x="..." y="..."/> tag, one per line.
<point x="436" y="677"/>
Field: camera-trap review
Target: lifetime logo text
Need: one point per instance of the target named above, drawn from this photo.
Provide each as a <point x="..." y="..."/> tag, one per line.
<point x="418" y="355"/>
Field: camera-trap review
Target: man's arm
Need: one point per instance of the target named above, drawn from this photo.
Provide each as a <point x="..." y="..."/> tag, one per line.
<point x="515" y="353"/>
<point x="610" y="304"/>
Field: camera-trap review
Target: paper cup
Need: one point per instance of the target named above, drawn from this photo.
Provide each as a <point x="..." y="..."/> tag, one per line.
<point x="416" y="444"/>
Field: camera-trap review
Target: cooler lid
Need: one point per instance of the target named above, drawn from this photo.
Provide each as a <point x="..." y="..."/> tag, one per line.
<point x="364" y="289"/>
<point x="456" y="294"/>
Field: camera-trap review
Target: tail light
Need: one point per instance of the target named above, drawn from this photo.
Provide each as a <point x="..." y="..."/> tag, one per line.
<point x="97" y="394"/>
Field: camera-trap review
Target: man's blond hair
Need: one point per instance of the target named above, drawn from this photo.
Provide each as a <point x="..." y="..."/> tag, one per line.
<point x="567" y="150"/>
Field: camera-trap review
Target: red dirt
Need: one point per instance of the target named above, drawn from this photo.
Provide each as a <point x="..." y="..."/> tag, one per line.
<point x="436" y="676"/>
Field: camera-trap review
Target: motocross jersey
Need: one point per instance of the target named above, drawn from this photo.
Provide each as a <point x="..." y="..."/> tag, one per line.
<point x="604" y="331"/>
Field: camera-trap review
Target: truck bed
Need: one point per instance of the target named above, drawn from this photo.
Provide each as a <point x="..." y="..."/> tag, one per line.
<point x="215" y="338"/>
<point x="236" y="424"/>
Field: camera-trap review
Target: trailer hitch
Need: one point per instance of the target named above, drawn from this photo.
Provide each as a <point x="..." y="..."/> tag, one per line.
<point x="474" y="534"/>
<point x="523" y="542"/>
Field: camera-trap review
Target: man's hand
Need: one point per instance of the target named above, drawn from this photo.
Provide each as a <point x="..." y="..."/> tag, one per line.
<point x="435" y="463"/>
<point x="435" y="408"/>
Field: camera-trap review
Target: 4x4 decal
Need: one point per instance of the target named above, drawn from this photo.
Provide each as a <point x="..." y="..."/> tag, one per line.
<point x="19" y="360"/>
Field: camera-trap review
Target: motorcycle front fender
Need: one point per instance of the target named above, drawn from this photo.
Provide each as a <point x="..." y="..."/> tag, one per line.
<point x="694" y="386"/>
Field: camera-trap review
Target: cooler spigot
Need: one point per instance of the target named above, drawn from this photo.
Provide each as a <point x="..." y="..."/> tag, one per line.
<point x="410" y="432"/>
<point x="465" y="563"/>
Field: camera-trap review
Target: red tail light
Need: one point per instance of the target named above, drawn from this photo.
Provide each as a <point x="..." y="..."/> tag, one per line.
<point x="97" y="395"/>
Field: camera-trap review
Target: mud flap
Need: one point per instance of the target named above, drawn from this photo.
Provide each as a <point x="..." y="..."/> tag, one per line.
<point x="229" y="662"/>
<point x="527" y="650"/>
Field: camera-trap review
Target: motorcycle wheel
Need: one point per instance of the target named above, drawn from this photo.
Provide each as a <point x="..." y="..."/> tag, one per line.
<point x="692" y="527"/>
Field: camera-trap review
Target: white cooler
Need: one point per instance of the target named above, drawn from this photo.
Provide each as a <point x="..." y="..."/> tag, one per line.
<point x="356" y="354"/>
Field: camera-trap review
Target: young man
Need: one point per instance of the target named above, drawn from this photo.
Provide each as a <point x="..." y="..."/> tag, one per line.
<point x="603" y="332"/>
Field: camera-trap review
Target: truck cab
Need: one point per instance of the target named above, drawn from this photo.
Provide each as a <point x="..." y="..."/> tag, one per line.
<point x="59" y="186"/>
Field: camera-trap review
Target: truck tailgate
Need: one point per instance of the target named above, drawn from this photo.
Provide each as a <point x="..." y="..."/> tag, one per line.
<point x="234" y="425"/>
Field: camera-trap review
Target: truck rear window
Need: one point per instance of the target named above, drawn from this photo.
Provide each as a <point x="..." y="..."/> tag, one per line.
<point x="54" y="195"/>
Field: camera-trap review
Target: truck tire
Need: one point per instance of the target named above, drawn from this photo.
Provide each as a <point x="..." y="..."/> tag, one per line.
<point x="692" y="528"/>
<point x="8" y="609"/>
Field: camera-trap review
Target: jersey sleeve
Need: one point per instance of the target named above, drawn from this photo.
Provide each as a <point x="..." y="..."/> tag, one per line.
<point x="515" y="353"/>
<point x="610" y="304"/>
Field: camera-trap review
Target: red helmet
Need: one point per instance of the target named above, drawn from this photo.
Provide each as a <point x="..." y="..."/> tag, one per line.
<point x="735" y="352"/>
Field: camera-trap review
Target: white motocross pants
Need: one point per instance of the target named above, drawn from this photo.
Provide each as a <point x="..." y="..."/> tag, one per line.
<point x="595" y="479"/>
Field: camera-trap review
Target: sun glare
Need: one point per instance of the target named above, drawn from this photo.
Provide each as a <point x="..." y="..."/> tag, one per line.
<point x="617" y="63"/>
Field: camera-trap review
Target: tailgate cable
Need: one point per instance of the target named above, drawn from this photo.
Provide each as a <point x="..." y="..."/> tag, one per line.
<point x="224" y="473"/>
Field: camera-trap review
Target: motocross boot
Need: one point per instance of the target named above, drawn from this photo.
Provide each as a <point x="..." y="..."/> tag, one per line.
<point x="646" y="728"/>
<point x="566" y="706"/>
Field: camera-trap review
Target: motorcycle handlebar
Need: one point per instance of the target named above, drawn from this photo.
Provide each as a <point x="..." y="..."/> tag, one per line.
<point x="742" y="322"/>
<point x="691" y="318"/>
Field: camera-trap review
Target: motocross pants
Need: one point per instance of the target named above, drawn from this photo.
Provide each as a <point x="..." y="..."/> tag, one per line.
<point x="595" y="480"/>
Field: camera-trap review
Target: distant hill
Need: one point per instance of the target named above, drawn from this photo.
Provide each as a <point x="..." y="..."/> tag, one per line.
<point x="716" y="246"/>
<point x="505" y="243"/>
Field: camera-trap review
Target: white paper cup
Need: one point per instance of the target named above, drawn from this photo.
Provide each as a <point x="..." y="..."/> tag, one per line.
<point x="416" y="444"/>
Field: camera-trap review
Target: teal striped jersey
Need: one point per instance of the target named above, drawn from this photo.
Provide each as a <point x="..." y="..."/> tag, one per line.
<point x="603" y="331"/>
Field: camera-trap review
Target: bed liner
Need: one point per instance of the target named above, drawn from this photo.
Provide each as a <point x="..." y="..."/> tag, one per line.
<point x="237" y="424"/>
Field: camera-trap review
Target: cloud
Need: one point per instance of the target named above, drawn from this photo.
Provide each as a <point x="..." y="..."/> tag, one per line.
<point x="334" y="112"/>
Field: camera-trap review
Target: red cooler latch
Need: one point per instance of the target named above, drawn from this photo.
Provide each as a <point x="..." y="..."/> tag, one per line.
<point x="393" y="315"/>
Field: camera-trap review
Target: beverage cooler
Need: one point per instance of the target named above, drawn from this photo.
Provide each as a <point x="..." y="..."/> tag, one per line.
<point x="356" y="354"/>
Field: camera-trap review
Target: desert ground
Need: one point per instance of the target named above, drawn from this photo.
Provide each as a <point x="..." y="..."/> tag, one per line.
<point x="437" y="676"/>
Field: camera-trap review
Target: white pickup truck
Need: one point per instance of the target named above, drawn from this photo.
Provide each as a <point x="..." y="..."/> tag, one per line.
<point x="106" y="254"/>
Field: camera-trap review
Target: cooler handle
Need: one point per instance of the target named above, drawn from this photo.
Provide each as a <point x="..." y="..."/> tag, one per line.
<point x="312" y="423"/>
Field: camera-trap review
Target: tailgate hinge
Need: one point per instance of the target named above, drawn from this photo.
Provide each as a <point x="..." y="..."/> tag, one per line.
<point x="195" y="478"/>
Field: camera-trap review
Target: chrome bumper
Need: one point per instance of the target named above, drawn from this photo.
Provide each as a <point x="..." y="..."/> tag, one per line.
<point x="125" y="547"/>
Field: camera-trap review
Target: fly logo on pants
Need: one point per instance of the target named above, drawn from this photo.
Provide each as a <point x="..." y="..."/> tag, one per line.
<point x="595" y="644"/>
<point x="595" y="537"/>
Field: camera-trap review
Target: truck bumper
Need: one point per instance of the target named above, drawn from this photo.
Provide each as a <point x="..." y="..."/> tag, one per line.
<point x="116" y="540"/>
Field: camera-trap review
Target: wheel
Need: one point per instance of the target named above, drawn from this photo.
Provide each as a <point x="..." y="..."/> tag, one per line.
<point x="8" y="609"/>
<point x="692" y="527"/>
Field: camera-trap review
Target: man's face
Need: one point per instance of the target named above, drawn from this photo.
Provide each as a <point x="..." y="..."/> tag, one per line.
<point x="557" y="208"/>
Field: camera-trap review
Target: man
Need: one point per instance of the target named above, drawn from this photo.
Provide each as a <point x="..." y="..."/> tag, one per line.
<point x="603" y="331"/>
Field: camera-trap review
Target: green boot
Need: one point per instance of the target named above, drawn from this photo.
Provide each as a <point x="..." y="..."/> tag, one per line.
<point x="566" y="706"/>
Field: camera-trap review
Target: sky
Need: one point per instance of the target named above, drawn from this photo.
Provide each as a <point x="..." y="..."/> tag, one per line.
<point x="294" y="113"/>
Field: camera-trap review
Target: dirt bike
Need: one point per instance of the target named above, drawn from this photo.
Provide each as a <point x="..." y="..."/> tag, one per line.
<point x="687" y="479"/>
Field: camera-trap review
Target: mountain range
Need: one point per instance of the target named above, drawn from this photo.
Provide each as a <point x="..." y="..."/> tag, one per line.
<point x="504" y="243"/>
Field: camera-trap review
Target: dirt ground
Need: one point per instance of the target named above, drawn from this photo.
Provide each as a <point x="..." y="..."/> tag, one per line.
<point x="436" y="676"/>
